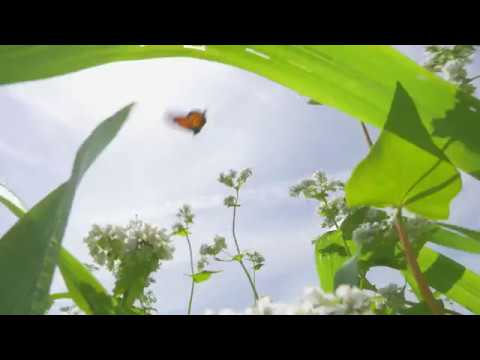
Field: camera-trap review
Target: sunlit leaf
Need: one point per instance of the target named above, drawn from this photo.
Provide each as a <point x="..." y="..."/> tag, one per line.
<point x="203" y="276"/>
<point x="456" y="237"/>
<point x="182" y="232"/>
<point x="59" y="296"/>
<point x="330" y="256"/>
<point x="238" y="257"/>
<point x="397" y="173"/>
<point x="359" y="80"/>
<point x="11" y="201"/>
<point x="84" y="289"/>
<point x="29" y="250"/>
<point x="450" y="278"/>
<point x="76" y="276"/>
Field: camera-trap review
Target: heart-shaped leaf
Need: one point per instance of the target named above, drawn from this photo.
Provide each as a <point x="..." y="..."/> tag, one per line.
<point x="398" y="173"/>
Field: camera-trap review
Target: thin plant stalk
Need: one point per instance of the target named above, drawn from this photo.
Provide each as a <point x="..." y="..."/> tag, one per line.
<point x="245" y="270"/>
<point x="189" y="311"/>
<point x="414" y="267"/>
<point x="367" y="135"/>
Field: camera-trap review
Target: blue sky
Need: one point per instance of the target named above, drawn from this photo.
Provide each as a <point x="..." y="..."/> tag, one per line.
<point x="151" y="170"/>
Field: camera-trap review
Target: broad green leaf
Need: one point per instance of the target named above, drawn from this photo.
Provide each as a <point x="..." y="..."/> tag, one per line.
<point x="359" y="80"/>
<point x="398" y="173"/>
<point x="11" y="201"/>
<point x="29" y="250"/>
<point x="72" y="270"/>
<point x="456" y="237"/>
<point x="450" y="278"/>
<point x="203" y="276"/>
<point x="84" y="289"/>
<point x="330" y="256"/>
<point x="348" y="274"/>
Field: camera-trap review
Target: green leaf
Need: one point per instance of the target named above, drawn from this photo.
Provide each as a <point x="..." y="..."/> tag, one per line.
<point x="84" y="289"/>
<point x="203" y="276"/>
<point x="358" y="80"/>
<point x="120" y="310"/>
<point x="59" y="296"/>
<point x="330" y="256"/>
<point x="29" y="250"/>
<point x="257" y="267"/>
<point x="182" y="232"/>
<point x="11" y="201"/>
<point x="73" y="272"/>
<point x="456" y="237"/>
<point x="417" y="309"/>
<point x="348" y="274"/>
<point x="398" y="173"/>
<point x="133" y="277"/>
<point x="450" y="278"/>
<point x="377" y="244"/>
<point x="238" y="257"/>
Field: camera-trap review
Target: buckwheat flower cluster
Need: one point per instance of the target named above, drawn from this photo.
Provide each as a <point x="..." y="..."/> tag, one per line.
<point x="234" y="179"/>
<point x="110" y="245"/>
<point x="418" y="228"/>
<point x="329" y="193"/>
<point x="369" y="232"/>
<point x="132" y="253"/>
<point x="345" y="301"/>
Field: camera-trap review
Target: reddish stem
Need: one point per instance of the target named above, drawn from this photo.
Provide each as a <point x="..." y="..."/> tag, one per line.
<point x="415" y="268"/>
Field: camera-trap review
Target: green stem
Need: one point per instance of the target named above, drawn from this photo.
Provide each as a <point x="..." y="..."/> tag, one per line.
<point x="414" y="267"/>
<point x="193" y="271"/>
<point x="247" y="273"/>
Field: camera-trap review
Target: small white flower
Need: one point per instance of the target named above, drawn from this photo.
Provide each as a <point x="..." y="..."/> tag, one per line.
<point x="346" y="300"/>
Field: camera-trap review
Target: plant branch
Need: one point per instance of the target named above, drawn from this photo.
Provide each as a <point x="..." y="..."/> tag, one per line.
<point x="473" y="79"/>
<point x="414" y="267"/>
<point x="193" y="271"/>
<point x="367" y="135"/>
<point x="247" y="273"/>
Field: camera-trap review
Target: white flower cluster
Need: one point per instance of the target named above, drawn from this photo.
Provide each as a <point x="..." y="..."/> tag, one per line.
<point x="345" y="301"/>
<point x="109" y="245"/>
<point x="368" y="233"/>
